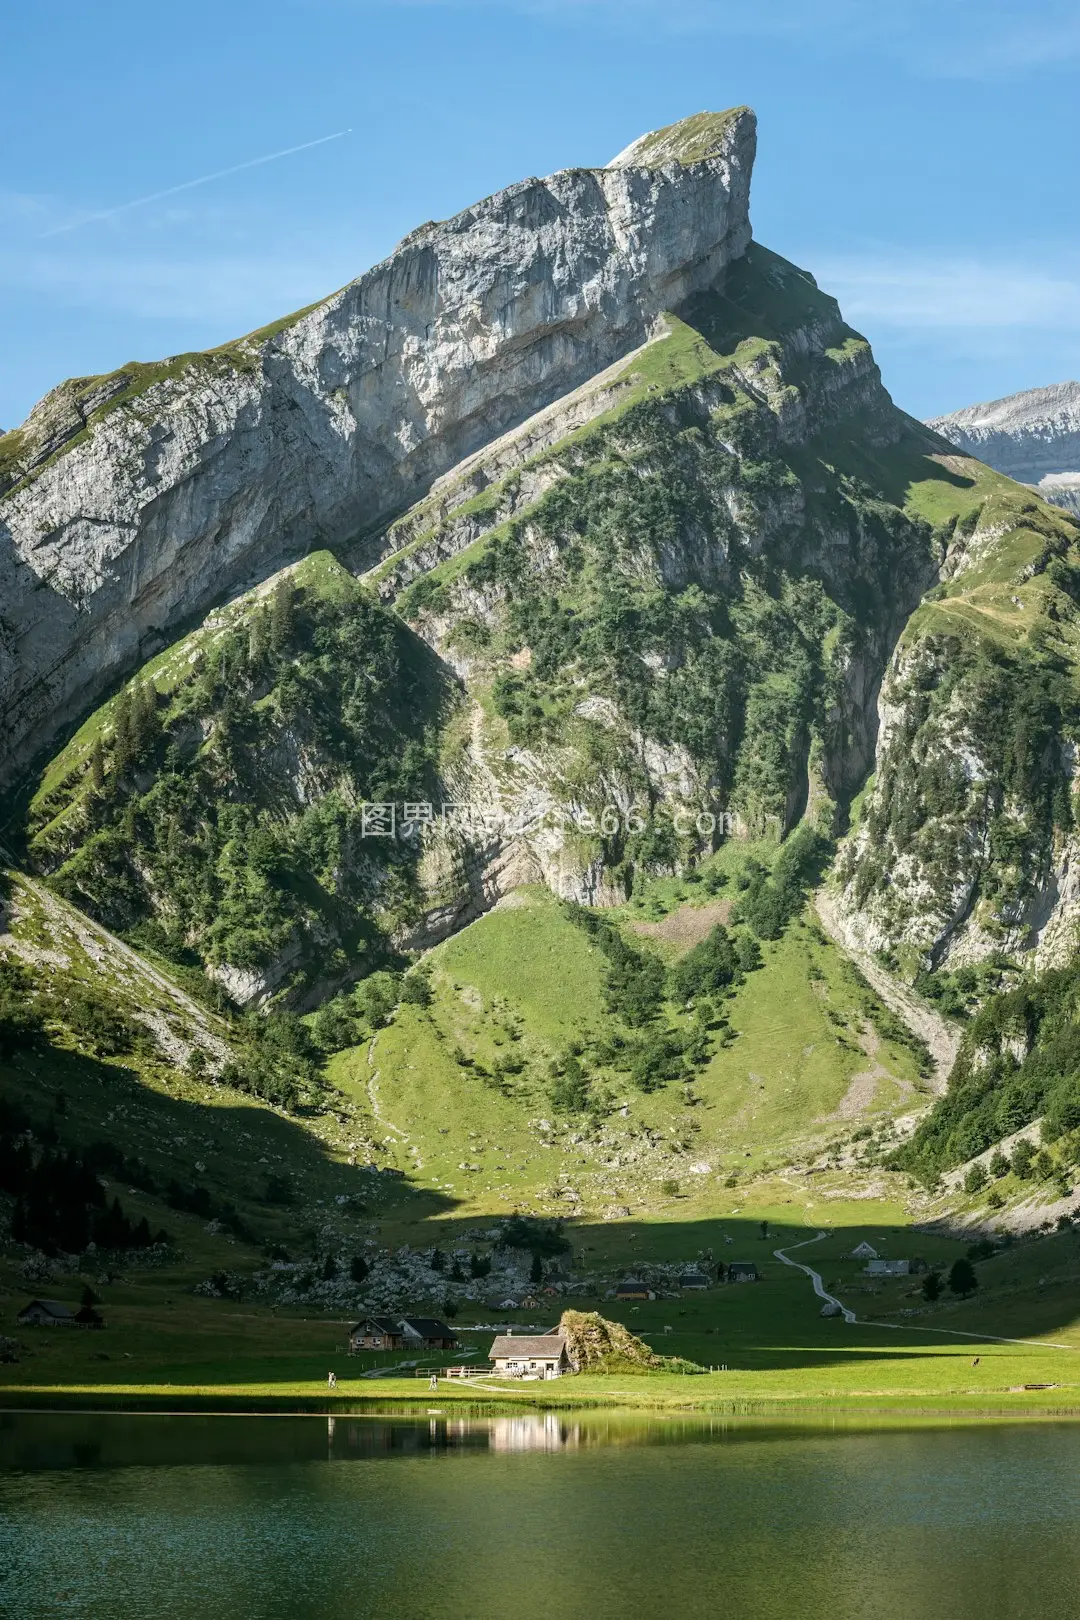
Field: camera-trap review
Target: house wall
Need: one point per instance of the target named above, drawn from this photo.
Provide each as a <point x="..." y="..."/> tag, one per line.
<point x="514" y="1368"/>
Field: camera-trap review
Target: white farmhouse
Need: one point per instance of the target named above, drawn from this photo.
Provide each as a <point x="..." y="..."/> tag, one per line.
<point x="529" y="1355"/>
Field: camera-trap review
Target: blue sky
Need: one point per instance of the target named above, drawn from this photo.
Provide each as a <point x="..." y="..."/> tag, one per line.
<point x="919" y="156"/>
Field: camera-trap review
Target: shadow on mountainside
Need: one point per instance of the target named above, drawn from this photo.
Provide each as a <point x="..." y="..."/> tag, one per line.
<point x="242" y="1155"/>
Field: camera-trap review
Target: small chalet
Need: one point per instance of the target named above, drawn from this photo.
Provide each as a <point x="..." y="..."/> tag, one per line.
<point x="741" y="1271"/>
<point x="46" y="1313"/>
<point x="633" y="1288"/>
<point x="887" y="1268"/>
<point x="375" y="1333"/>
<point x="863" y="1251"/>
<point x="530" y="1355"/>
<point x="426" y="1333"/>
<point x="401" y="1333"/>
<point x="693" y="1278"/>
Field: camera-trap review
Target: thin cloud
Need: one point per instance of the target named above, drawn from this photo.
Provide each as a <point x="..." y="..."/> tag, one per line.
<point x="936" y="38"/>
<point x="190" y="185"/>
<point x="957" y="293"/>
<point x="212" y="289"/>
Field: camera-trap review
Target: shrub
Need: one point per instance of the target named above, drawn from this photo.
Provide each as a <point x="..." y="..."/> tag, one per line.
<point x="976" y="1179"/>
<point x="545" y="1238"/>
<point x="570" y="1092"/>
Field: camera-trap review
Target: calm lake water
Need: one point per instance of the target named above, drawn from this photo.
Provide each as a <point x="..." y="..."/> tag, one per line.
<point x="533" y="1518"/>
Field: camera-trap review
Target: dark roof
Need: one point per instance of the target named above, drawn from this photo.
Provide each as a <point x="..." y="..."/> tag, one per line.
<point x="381" y="1324"/>
<point x="521" y="1346"/>
<point x="742" y="1265"/>
<point x="428" y="1327"/>
<point x="631" y="1285"/>
<point x="53" y="1306"/>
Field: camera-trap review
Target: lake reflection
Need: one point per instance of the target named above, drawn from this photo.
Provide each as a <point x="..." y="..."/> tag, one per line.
<point x="527" y="1515"/>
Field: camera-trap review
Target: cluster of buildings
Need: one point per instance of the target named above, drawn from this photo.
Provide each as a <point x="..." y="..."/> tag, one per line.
<point x="521" y="1355"/>
<point x="694" y="1277"/>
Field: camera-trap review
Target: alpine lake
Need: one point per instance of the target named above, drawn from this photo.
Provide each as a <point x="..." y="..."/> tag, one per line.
<point x="534" y="1516"/>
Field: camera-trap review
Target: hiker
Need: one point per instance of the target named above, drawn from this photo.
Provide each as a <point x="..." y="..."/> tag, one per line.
<point x="331" y="1379"/>
<point x="433" y="1381"/>
<point x="975" y="1363"/>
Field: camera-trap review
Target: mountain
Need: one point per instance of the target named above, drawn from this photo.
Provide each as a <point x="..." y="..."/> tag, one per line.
<point x="463" y="689"/>
<point x="132" y="501"/>
<point x="1033" y="436"/>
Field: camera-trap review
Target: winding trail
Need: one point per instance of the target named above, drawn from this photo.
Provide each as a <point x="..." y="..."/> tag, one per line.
<point x="373" y="1094"/>
<point x="815" y="1276"/>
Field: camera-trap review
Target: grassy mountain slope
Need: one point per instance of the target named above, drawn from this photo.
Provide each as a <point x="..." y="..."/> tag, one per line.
<point x="680" y="609"/>
<point x="522" y="1079"/>
<point x="211" y="809"/>
<point x="1019" y="1062"/>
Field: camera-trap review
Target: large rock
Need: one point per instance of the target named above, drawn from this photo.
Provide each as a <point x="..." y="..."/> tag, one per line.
<point x="133" y="501"/>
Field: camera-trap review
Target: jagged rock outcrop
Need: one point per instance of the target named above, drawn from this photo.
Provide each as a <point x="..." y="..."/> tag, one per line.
<point x="134" y="501"/>
<point x="1033" y="436"/>
<point x="669" y="608"/>
<point x="967" y="848"/>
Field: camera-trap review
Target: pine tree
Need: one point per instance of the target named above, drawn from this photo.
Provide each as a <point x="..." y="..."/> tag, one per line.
<point x="97" y="766"/>
<point x="144" y="718"/>
<point x="962" y="1278"/>
<point x="123" y="733"/>
<point x="282" y="615"/>
<point x="258" y="642"/>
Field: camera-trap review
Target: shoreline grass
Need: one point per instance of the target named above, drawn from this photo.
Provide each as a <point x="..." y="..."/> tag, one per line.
<point x="469" y="1402"/>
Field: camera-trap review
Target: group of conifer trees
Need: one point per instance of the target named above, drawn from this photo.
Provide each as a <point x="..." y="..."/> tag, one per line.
<point x="136" y="720"/>
<point x="60" y="1205"/>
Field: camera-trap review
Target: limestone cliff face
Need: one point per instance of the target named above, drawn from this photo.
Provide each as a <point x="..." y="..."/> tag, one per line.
<point x="968" y="846"/>
<point x="132" y="502"/>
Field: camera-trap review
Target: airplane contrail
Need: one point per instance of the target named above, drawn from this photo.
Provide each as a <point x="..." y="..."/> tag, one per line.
<point x="187" y="185"/>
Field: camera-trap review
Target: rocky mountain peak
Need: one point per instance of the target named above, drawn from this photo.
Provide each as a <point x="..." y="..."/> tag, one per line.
<point x="1032" y="436"/>
<point x="701" y="138"/>
<point x="131" y="502"/>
